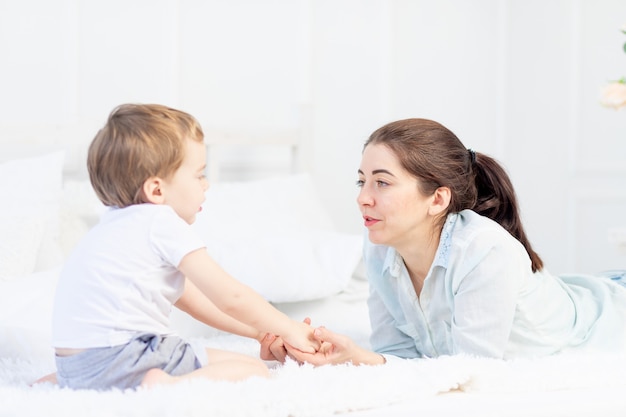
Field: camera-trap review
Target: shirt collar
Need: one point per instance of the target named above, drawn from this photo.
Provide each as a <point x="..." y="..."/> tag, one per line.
<point x="393" y="261"/>
<point x="442" y="257"/>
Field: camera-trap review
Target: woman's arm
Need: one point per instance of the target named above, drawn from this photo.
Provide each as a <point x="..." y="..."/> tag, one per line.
<point x="386" y="338"/>
<point x="384" y="306"/>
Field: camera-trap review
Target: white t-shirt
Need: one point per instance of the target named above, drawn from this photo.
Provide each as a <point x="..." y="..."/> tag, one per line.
<point x="122" y="278"/>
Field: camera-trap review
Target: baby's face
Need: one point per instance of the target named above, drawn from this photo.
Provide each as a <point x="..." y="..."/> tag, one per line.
<point x="185" y="190"/>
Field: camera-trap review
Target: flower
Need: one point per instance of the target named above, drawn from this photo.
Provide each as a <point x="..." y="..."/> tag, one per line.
<point x="614" y="94"/>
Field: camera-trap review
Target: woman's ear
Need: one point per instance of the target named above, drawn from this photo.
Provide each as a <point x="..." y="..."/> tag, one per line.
<point x="440" y="201"/>
<point x="152" y="190"/>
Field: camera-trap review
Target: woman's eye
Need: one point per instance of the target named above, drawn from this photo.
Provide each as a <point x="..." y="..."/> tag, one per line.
<point x="379" y="183"/>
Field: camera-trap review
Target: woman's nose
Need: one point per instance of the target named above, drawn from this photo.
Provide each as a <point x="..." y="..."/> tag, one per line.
<point x="364" y="198"/>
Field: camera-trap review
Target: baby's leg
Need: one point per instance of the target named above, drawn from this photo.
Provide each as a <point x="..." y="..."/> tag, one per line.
<point x="231" y="366"/>
<point x="50" y="378"/>
<point x="223" y="365"/>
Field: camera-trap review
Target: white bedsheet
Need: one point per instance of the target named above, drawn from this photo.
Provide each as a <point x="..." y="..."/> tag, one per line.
<point x="558" y="386"/>
<point x="564" y="385"/>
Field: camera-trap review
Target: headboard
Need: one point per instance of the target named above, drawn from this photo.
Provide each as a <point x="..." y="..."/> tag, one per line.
<point x="231" y="154"/>
<point x="256" y="152"/>
<point x="27" y="141"/>
<point x="243" y="155"/>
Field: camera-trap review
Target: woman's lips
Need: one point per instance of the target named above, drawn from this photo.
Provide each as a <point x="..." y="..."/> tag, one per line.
<point x="369" y="221"/>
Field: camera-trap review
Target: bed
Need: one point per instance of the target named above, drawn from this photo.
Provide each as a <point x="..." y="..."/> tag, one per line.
<point x="305" y="267"/>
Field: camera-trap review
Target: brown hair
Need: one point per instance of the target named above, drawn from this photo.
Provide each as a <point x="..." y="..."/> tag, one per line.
<point x="437" y="158"/>
<point x="138" y="141"/>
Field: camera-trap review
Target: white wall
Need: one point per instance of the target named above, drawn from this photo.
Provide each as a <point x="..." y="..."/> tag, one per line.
<point x="519" y="80"/>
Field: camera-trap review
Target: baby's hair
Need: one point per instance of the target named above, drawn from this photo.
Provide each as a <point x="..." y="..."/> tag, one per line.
<point x="138" y="141"/>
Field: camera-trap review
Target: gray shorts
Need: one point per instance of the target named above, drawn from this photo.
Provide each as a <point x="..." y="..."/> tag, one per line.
<point x="124" y="366"/>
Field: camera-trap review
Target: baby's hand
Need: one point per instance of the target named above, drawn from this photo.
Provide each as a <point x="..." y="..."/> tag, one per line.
<point x="273" y="347"/>
<point x="301" y="338"/>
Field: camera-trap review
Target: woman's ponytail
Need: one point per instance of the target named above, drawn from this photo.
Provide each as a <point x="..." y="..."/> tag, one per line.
<point x="496" y="199"/>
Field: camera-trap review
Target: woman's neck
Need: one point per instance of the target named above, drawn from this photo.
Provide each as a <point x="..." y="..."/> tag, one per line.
<point x="418" y="257"/>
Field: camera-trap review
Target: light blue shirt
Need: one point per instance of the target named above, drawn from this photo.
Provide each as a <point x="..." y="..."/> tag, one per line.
<point x="481" y="298"/>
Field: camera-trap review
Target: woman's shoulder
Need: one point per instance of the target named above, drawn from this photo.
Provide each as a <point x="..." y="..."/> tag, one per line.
<point x="471" y="221"/>
<point x="475" y="238"/>
<point x="470" y="227"/>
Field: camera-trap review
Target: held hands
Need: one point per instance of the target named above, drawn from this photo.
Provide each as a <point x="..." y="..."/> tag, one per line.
<point x="334" y="348"/>
<point x="275" y="347"/>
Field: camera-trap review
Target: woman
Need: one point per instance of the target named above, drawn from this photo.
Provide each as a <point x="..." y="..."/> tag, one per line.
<point x="450" y="268"/>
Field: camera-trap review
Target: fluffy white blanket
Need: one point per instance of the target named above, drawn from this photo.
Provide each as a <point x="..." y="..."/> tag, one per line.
<point x="568" y="385"/>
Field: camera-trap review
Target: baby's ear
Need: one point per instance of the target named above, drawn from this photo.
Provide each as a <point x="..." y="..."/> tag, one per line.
<point x="152" y="190"/>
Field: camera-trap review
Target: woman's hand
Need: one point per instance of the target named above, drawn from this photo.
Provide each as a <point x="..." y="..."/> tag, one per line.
<point x="335" y="348"/>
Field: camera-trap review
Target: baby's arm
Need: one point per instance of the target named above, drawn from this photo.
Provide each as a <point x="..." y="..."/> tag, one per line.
<point x="243" y="303"/>
<point x="200" y="307"/>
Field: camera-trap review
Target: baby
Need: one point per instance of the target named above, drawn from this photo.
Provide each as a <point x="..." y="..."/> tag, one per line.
<point x="116" y="291"/>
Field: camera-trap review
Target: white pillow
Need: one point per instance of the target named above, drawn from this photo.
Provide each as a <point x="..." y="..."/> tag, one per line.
<point x="281" y="204"/>
<point x="290" y="268"/>
<point x="26" y="315"/>
<point x="80" y="210"/>
<point x="33" y="187"/>
<point x="20" y="240"/>
<point x="276" y="236"/>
